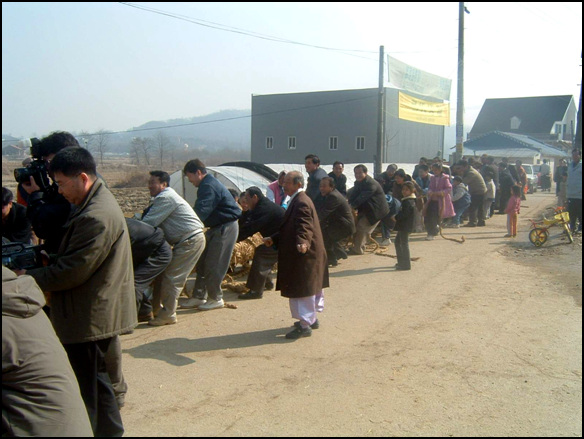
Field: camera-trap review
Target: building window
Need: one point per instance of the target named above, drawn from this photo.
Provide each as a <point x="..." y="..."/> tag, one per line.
<point x="515" y="122"/>
<point x="333" y="143"/>
<point x="269" y="143"/>
<point x="291" y="142"/>
<point x="558" y="128"/>
<point x="360" y="145"/>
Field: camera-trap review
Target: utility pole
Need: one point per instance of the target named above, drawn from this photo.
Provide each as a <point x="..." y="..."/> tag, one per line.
<point x="380" y="117"/>
<point x="460" y="88"/>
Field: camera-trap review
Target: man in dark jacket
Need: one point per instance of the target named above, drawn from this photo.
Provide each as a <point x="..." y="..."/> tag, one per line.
<point x="264" y="217"/>
<point x="151" y="254"/>
<point x="91" y="283"/>
<point x="219" y="212"/>
<point x="15" y="225"/>
<point x="386" y="179"/>
<point x="336" y="220"/>
<point x="315" y="174"/>
<point x="339" y="178"/>
<point x="368" y="198"/>
<point x="47" y="209"/>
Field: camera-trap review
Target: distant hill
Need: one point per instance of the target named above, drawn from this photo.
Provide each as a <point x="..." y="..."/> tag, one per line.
<point x="224" y="129"/>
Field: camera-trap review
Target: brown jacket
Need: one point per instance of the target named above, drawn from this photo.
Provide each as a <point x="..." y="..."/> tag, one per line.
<point x="301" y="275"/>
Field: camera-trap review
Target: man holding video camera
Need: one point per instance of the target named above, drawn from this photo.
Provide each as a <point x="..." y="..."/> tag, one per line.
<point x="47" y="209"/>
<point x="91" y="283"/>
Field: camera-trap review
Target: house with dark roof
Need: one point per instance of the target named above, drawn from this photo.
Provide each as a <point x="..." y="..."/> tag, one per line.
<point x="545" y="118"/>
<point x="513" y="147"/>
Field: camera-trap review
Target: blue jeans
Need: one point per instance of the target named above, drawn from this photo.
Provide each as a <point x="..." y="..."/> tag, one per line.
<point x="459" y="211"/>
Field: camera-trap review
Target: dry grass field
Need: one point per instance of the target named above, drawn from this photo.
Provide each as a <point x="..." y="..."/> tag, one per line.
<point x="127" y="182"/>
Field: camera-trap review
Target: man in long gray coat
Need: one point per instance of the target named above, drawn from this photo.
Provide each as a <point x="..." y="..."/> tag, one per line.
<point x="302" y="263"/>
<point x="91" y="283"/>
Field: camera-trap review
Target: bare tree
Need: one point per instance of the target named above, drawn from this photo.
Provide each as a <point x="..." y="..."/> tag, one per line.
<point x="141" y="146"/>
<point x="162" y="145"/>
<point x="101" y="143"/>
<point x="135" y="150"/>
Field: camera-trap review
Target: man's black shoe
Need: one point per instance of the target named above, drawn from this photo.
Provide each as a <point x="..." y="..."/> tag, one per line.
<point x="481" y="224"/>
<point x="269" y="285"/>
<point x="315" y="325"/>
<point x="250" y="295"/>
<point x="298" y="333"/>
<point x="399" y="268"/>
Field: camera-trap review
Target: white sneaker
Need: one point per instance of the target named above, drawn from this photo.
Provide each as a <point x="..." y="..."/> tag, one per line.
<point x="386" y="242"/>
<point x="212" y="304"/>
<point x="193" y="302"/>
<point x="429" y="238"/>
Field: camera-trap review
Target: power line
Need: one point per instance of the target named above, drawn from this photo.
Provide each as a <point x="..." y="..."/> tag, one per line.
<point x="232" y="29"/>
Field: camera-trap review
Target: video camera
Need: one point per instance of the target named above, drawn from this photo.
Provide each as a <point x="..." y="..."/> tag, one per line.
<point x="36" y="169"/>
<point x="17" y="255"/>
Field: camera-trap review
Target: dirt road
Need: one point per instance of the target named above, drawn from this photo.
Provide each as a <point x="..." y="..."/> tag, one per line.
<point x="479" y="339"/>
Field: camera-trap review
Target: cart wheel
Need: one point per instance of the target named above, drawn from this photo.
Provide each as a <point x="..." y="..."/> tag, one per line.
<point x="538" y="236"/>
<point x="569" y="233"/>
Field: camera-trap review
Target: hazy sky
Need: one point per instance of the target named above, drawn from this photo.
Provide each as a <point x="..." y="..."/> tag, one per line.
<point x="91" y="66"/>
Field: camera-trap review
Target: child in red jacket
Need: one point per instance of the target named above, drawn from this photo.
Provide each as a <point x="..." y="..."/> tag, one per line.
<point x="512" y="210"/>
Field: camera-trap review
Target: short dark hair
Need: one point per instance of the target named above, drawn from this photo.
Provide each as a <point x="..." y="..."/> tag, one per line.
<point x="164" y="177"/>
<point x="7" y="196"/>
<point x="437" y="165"/>
<point x="457" y="178"/>
<point x="329" y="180"/>
<point x="516" y="190"/>
<point x="56" y="141"/>
<point x="195" y="165"/>
<point x="503" y="165"/>
<point x="314" y="158"/>
<point x="423" y="168"/>
<point x="362" y="166"/>
<point x="400" y="173"/>
<point x="338" y="163"/>
<point x="72" y="161"/>
<point x="462" y="163"/>
<point x="254" y="191"/>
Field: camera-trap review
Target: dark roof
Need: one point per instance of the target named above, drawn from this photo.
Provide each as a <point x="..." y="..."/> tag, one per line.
<point x="537" y="114"/>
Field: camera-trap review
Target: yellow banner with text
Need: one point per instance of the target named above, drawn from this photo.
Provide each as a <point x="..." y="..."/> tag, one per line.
<point x="419" y="110"/>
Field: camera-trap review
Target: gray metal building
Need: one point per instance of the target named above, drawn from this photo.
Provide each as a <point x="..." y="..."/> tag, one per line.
<point x="337" y="125"/>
